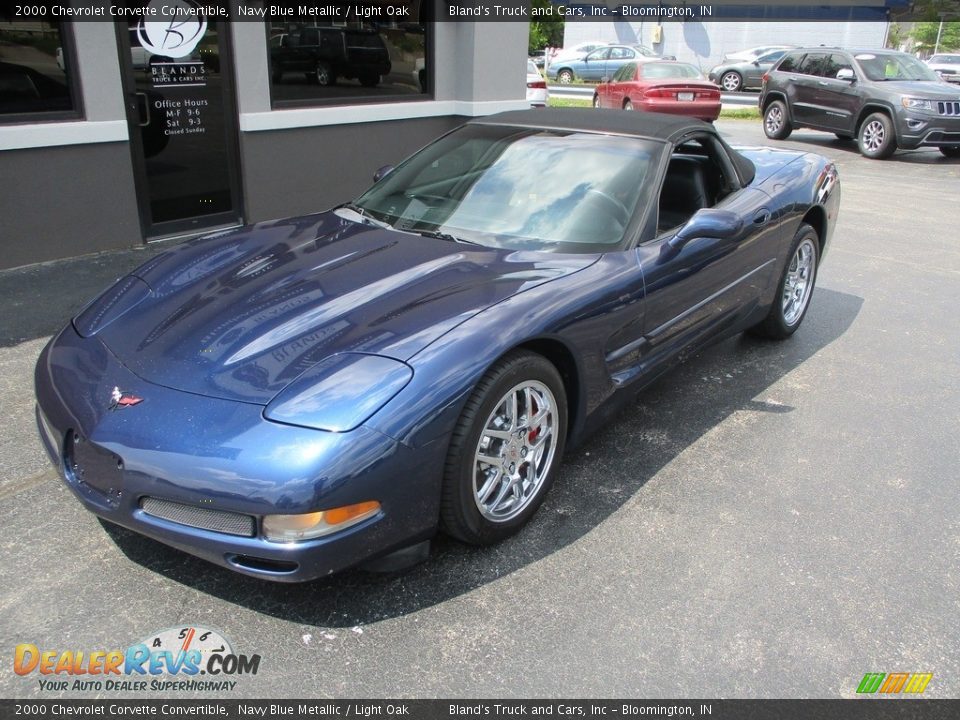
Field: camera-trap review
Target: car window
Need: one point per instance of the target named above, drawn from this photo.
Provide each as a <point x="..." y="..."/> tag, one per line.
<point x="771" y="57"/>
<point x="656" y="70"/>
<point x="837" y="63"/>
<point x="695" y="180"/>
<point x="790" y="63"/>
<point x="501" y="186"/>
<point x="598" y="54"/>
<point x="814" y="64"/>
<point x="626" y="73"/>
<point x="889" y="66"/>
<point x="946" y="59"/>
<point x="621" y="53"/>
<point x="532" y="68"/>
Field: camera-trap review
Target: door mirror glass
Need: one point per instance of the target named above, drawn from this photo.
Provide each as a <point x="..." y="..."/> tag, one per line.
<point x="382" y="173"/>
<point x="846" y="74"/>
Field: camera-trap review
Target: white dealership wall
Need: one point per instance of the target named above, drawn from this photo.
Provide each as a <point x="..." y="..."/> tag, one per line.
<point x="704" y="43"/>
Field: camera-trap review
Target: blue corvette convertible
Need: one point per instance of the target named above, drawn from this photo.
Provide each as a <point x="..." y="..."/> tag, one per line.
<point x="303" y="395"/>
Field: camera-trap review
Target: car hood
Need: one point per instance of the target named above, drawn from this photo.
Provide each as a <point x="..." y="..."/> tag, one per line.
<point x="240" y="315"/>
<point x="926" y="89"/>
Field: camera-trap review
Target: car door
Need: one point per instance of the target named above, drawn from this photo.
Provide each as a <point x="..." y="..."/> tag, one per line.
<point x="699" y="287"/>
<point x="838" y="100"/>
<point x="805" y="102"/>
<point x="593" y="66"/>
<point x="619" y="85"/>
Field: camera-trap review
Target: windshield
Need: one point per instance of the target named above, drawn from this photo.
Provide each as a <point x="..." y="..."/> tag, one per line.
<point x="657" y="70"/>
<point x="894" y="67"/>
<point x="519" y="188"/>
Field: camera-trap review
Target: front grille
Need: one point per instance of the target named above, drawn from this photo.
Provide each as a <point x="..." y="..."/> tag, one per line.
<point x="950" y="108"/>
<point x="220" y="521"/>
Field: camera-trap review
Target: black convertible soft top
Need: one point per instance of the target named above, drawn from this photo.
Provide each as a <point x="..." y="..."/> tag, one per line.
<point x="658" y="126"/>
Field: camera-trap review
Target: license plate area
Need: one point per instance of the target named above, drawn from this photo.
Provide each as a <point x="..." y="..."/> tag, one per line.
<point x="88" y="464"/>
<point x="685" y="96"/>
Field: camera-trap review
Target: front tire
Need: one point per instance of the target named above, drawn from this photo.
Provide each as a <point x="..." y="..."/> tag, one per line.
<point x="324" y="75"/>
<point x="795" y="287"/>
<point x="628" y="104"/>
<point x="731" y="81"/>
<point x="776" y="125"/>
<point x="565" y="76"/>
<point x="505" y="450"/>
<point x="876" y="137"/>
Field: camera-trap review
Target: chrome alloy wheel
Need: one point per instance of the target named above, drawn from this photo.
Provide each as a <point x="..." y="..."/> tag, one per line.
<point x="798" y="285"/>
<point x="773" y="120"/>
<point x="515" y="451"/>
<point x="873" y="135"/>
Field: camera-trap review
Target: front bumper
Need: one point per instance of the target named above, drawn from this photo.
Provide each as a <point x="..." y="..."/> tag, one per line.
<point x="223" y="457"/>
<point x="916" y="130"/>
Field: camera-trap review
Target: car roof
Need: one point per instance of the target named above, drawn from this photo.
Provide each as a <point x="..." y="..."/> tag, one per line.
<point x="852" y="51"/>
<point x="656" y="126"/>
<point x="648" y="125"/>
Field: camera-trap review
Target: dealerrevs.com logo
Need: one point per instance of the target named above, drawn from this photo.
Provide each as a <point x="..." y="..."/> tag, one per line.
<point x="188" y="659"/>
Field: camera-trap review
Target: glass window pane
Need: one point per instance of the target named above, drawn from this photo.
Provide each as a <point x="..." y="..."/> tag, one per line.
<point x="34" y="69"/>
<point x="346" y="63"/>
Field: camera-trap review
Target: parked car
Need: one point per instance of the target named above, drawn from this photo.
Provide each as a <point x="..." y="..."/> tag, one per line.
<point x="296" y="397"/>
<point x="657" y="86"/>
<point x="736" y="75"/>
<point x="576" y="52"/>
<point x="885" y="99"/>
<point x="752" y="54"/>
<point x="600" y="63"/>
<point x="327" y="53"/>
<point x="537" y="93"/>
<point x="539" y="58"/>
<point x="946" y="65"/>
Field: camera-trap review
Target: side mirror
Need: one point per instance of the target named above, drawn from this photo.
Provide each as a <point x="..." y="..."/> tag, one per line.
<point x="756" y="62"/>
<point x="707" y="222"/>
<point x="382" y="172"/>
<point x="846" y="74"/>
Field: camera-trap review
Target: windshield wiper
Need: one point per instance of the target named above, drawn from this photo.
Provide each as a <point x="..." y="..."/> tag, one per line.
<point x="443" y="236"/>
<point x="364" y="216"/>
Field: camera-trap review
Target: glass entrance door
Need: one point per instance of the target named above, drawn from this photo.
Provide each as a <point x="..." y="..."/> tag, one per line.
<point x="183" y="123"/>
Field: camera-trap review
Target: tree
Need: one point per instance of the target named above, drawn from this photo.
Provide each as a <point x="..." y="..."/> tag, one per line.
<point x="546" y="30"/>
<point x="924" y="34"/>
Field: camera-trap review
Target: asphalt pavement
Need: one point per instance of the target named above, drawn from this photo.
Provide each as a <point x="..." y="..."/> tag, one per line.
<point x="768" y="520"/>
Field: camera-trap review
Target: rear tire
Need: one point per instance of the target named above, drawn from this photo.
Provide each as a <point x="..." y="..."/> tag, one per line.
<point x="505" y="450"/>
<point x="628" y="104"/>
<point x="565" y="76"/>
<point x="731" y="81"/>
<point x="794" y="289"/>
<point x="776" y="124"/>
<point x="876" y="137"/>
<point x="596" y="101"/>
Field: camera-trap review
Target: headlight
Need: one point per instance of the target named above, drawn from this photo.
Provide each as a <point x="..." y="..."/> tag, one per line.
<point x="292" y="528"/>
<point x="115" y="301"/>
<point x="917" y="104"/>
<point x="340" y="393"/>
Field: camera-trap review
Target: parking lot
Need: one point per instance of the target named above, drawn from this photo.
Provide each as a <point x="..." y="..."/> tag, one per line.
<point x="768" y="520"/>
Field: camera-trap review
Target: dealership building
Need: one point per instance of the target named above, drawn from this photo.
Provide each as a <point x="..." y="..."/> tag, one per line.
<point x="115" y="132"/>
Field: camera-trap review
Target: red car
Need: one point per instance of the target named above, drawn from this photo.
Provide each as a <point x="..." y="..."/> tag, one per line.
<point x="660" y="86"/>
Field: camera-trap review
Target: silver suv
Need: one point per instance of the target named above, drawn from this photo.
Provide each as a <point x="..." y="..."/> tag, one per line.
<point x="884" y="99"/>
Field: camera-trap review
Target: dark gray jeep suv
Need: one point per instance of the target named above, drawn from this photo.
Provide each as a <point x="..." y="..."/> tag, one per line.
<point x="884" y="99"/>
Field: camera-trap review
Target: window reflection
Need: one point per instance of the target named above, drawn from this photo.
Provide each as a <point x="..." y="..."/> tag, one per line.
<point x="341" y="63"/>
<point x="34" y="69"/>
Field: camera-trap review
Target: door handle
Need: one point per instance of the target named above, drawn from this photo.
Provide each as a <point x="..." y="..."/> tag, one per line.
<point x="823" y="83"/>
<point x="140" y="104"/>
<point x="762" y="217"/>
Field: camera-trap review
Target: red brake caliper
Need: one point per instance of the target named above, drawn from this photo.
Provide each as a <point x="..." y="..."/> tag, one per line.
<point x="536" y="431"/>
